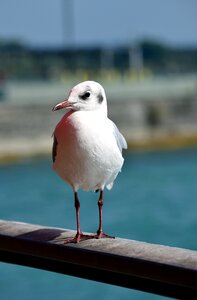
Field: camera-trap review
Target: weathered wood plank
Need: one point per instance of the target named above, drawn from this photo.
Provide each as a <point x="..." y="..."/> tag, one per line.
<point x="158" y="269"/>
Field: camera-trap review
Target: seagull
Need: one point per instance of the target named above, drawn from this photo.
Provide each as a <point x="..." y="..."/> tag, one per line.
<point x="87" y="147"/>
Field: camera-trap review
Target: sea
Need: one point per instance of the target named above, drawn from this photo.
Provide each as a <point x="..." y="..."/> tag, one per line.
<point x="154" y="199"/>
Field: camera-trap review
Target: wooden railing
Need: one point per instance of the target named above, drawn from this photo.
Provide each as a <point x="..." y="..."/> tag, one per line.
<point x="137" y="265"/>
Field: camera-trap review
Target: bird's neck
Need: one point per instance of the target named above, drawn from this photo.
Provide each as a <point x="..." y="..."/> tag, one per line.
<point x="102" y="111"/>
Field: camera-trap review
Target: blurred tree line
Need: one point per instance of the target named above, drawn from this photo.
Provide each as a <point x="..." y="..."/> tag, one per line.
<point x="19" y="61"/>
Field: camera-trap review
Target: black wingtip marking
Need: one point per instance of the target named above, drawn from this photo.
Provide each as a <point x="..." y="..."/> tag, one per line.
<point x="54" y="149"/>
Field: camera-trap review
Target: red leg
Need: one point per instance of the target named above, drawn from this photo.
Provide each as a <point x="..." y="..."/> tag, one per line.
<point x="79" y="235"/>
<point x="100" y="205"/>
<point x="77" y="207"/>
<point x="100" y="233"/>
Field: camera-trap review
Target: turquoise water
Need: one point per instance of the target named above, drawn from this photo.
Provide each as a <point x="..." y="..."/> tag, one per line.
<point x="154" y="199"/>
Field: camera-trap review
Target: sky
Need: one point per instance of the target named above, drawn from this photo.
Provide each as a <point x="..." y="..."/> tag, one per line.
<point x="57" y="23"/>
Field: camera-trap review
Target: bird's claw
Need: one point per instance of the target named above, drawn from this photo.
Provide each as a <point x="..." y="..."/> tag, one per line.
<point x="100" y="235"/>
<point x="78" y="238"/>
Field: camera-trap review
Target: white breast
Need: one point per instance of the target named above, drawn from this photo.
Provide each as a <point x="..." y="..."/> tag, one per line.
<point x="87" y="154"/>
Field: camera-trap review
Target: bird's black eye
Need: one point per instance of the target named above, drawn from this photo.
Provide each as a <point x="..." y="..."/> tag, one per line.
<point x="86" y="95"/>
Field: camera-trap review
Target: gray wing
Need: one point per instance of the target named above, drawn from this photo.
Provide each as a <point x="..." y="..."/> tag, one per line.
<point x="121" y="142"/>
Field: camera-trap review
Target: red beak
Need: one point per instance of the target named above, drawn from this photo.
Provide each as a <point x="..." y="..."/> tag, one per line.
<point x="63" y="104"/>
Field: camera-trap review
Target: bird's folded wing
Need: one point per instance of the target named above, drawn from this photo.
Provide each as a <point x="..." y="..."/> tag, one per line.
<point x="121" y="142"/>
<point x="54" y="149"/>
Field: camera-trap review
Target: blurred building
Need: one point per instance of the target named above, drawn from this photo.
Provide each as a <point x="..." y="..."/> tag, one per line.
<point x="152" y="113"/>
<point x="151" y="90"/>
<point x="20" y="62"/>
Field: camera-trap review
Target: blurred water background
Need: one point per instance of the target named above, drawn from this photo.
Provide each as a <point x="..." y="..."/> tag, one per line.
<point x="148" y="67"/>
<point x="153" y="200"/>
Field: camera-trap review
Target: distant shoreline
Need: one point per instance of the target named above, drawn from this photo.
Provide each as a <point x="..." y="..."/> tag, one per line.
<point x="26" y="150"/>
<point x="154" y="114"/>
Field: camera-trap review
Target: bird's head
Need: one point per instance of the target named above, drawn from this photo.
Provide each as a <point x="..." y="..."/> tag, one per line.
<point x="87" y="96"/>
